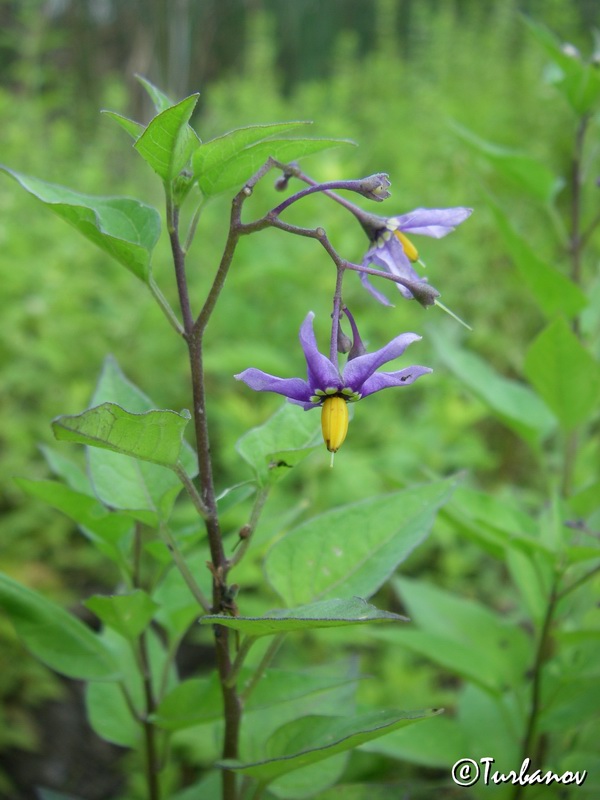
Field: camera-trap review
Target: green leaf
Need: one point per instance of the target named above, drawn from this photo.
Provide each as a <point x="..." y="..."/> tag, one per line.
<point x="280" y="443"/>
<point x="439" y="744"/>
<point x="237" y="169"/>
<point x="143" y="489"/>
<point x="554" y="292"/>
<point x="134" y="129"/>
<point x="155" y="436"/>
<point x="314" y="738"/>
<point x="527" y="172"/>
<point x="216" y="153"/>
<point x="168" y="142"/>
<point x="462" y="635"/>
<point x="160" y="99"/>
<point x="513" y="402"/>
<point x="565" y="374"/>
<point x="106" y="528"/>
<point x="124" y="228"/>
<point x="578" y="81"/>
<point x="55" y="637"/>
<point x="352" y="550"/>
<point x="128" y="614"/>
<point x="109" y="715"/>
<point x="324" y="614"/>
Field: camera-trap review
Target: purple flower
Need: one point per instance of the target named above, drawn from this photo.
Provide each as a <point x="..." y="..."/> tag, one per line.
<point x="356" y="380"/>
<point x="393" y="251"/>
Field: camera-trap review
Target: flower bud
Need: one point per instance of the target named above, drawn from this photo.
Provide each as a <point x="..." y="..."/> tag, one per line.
<point x="375" y="187"/>
<point x="334" y="422"/>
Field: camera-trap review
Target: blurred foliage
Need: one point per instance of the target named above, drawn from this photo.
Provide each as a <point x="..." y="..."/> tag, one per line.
<point x="398" y="78"/>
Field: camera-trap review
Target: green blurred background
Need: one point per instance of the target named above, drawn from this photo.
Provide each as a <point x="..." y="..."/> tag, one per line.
<point x="397" y="77"/>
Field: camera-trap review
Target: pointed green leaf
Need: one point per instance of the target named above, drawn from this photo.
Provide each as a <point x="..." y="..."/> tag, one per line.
<point x="314" y="738"/>
<point x="128" y="614"/>
<point x="237" y="169"/>
<point x="554" y="292"/>
<point x="159" y="98"/>
<point x="168" y="142"/>
<point x="527" y="172"/>
<point x="352" y="550"/>
<point x="154" y="436"/>
<point x="280" y="443"/>
<point x="565" y="374"/>
<point x="215" y="153"/>
<point x="124" y="228"/>
<point x="134" y="129"/>
<point x="143" y="489"/>
<point x="324" y="614"/>
<point x="57" y="638"/>
<point x="513" y="402"/>
<point x="440" y="743"/>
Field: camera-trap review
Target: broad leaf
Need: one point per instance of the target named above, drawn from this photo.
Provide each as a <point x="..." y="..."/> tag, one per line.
<point x="352" y="550"/>
<point x="513" y="402"/>
<point x="214" y="154"/>
<point x="168" y="142"/>
<point x="144" y="489"/>
<point x="57" y="638"/>
<point x="155" y="436"/>
<point x="124" y="228"/>
<point x="235" y="171"/>
<point x="324" y="614"/>
<point x="197" y="701"/>
<point x="314" y="738"/>
<point x="128" y="614"/>
<point x="554" y="292"/>
<point x="564" y="373"/>
<point x="280" y="443"/>
<point x="106" y="528"/>
<point x="527" y="172"/>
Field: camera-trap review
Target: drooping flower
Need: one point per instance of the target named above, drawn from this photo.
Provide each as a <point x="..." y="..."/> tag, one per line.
<point x="330" y="388"/>
<point x="393" y="251"/>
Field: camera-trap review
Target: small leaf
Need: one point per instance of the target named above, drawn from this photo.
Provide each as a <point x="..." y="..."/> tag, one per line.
<point x="128" y="614"/>
<point x="280" y="443"/>
<point x="314" y="738"/>
<point x="168" y="142"/>
<point x="57" y="638"/>
<point x="160" y="99"/>
<point x="553" y="291"/>
<point x="352" y="550"/>
<point x="134" y="129"/>
<point x="124" y="228"/>
<point x="324" y="614"/>
<point x="154" y="436"/>
<point x="565" y="374"/>
<point x="513" y="402"/>
<point x="237" y="170"/>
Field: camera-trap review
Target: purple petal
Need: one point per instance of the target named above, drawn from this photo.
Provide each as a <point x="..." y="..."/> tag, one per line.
<point x="364" y="279"/>
<point x="391" y="256"/>
<point x="360" y="369"/>
<point x="384" y="380"/>
<point x="322" y="374"/>
<point x="436" y="222"/>
<point x="295" y="389"/>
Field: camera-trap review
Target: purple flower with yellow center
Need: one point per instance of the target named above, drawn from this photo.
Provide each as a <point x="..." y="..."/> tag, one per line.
<point x="393" y="251"/>
<point x="331" y="389"/>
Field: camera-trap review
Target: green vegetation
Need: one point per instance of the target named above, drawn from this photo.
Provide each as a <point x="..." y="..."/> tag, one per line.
<point x="465" y="110"/>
